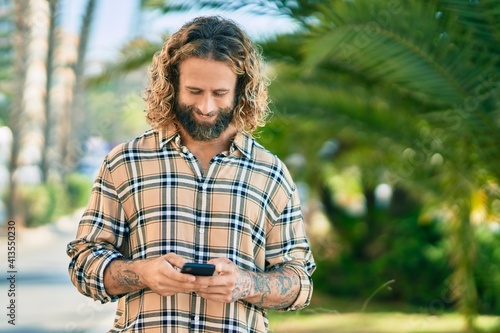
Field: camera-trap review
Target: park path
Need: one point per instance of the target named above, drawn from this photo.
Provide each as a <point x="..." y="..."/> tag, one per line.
<point x="46" y="301"/>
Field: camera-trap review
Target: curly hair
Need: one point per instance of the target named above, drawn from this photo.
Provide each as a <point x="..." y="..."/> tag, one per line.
<point x="212" y="38"/>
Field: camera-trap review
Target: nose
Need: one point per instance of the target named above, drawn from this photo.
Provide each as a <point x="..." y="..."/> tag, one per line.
<point x="207" y="105"/>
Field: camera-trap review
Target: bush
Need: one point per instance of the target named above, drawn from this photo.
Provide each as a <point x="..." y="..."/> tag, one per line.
<point x="42" y="203"/>
<point x="45" y="202"/>
<point x="386" y="245"/>
<point x="78" y="187"/>
<point x="381" y="246"/>
<point x="487" y="268"/>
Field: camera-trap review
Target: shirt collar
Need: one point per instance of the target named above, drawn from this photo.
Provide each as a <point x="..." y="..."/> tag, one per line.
<point x="241" y="141"/>
<point x="166" y="134"/>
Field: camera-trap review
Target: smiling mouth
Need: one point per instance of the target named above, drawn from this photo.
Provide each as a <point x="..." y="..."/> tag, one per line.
<point x="208" y="115"/>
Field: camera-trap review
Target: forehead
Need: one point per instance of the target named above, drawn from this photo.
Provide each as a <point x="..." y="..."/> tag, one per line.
<point x="205" y="73"/>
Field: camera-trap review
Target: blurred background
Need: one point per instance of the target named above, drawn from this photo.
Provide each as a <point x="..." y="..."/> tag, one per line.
<point x="387" y="113"/>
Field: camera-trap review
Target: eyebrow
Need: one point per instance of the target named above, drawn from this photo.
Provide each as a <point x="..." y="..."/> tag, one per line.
<point x="218" y="90"/>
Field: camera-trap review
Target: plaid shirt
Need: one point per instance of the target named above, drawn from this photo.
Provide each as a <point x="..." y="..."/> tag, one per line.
<point x="151" y="198"/>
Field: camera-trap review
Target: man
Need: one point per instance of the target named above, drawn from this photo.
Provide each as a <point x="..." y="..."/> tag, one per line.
<point x="196" y="188"/>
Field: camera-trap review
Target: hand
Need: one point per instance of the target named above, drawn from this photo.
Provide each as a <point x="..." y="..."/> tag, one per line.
<point x="230" y="283"/>
<point x="160" y="276"/>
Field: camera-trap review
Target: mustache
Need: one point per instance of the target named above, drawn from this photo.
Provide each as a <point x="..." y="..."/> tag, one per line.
<point x="209" y="114"/>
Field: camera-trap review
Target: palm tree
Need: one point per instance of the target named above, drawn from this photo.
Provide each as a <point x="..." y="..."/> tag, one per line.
<point x="431" y="74"/>
<point x="76" y="133"/>
<point x="20" y="44"/>
<point x="49" y="63"/>
<point x="5" y="50"/>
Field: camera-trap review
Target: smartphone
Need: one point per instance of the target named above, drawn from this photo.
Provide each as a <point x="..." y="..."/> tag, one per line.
<point x="198" y="269"/>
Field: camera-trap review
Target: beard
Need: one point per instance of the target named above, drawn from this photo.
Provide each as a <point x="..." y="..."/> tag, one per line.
<point x="202" y="131"/>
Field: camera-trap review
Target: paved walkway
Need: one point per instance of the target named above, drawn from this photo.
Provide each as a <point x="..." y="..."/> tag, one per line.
<point x="46" y="299"/>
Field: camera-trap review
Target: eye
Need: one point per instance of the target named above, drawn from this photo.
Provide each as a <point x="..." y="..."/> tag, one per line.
<point x="195" y="92"/>
<point x="219" y="93"/>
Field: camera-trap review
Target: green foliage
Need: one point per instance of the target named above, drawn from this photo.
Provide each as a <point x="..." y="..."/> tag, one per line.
<point x="487" y="268"/>
<point x="136" y="54"/>
<point x="42" y="203"/>
<point x="407" y="243"/>
<point x="421" y="81"/>
<point x="382" y="245"/>
<point x="6" y="69"/>
<point x="299" y="9"/>
<point x="333" y="316"/>
<point x="4" y="108"/>
<point x="118" y="106"/>
<point x="78" y="189"/>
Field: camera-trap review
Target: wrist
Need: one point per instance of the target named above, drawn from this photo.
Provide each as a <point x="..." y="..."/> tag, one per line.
<point x="141" y="269"/>
<point x="243" y="286"/>
<point x="249" y="291"/>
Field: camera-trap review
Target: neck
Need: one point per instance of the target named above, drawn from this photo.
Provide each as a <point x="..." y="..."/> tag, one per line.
<point x="215" y="146"/>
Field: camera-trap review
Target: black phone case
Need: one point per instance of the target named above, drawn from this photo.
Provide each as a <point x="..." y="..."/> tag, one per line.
<point x="198" y="269"/>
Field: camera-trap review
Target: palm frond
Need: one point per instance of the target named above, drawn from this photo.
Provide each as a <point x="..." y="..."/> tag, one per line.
<point x="401" y="51"/>
<point x="134" y="55"/>
<point x="297" y="10"/>
<point x="482" y="20"/>
<point x="343" y="108"/>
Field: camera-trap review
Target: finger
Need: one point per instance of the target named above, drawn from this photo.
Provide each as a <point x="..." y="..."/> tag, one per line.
<point x="215" y="290"/>
<point x="216" y="261"/>
<point x="175" y="260"/>
<point x="223" y="282"/>
<point x="205" y="280"/>
<point x="182" y="277"/>
<point x="171" y="290"/>
<point x="189" y="287"/>
<point x="172" y="260"/>
<point x="221" y="298"/>
<point x="223" y="266"/>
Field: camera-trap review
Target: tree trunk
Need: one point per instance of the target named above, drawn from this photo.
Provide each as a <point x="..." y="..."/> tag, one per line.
<point x="21" y="38"/>
<point x="47" y="152"/>
<point x="463" y="252"/>
<point x="77" y="132"/>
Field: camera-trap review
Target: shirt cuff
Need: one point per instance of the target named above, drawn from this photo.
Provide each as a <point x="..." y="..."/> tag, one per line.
<point x="306" y="288"/>
<point x="101" y="293"/>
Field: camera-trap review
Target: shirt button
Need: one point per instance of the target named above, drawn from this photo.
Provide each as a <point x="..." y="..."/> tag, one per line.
<point x="202" y="231"/>
<point x="196" y="319"/>
<point x="204" y="186"/>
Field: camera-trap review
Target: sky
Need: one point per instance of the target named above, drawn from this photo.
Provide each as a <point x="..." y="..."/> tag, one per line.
<point x="116" y="22"/>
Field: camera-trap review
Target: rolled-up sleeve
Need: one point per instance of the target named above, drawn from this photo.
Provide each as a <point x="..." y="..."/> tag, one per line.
<point x="287" y="246"/>
<point x="101" y="234"/>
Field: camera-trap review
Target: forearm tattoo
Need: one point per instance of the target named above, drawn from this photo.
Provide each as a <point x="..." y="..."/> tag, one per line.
<point x="243" y="286"/>
<point x="276" y="290"/>
<point x="126" y="278"/>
